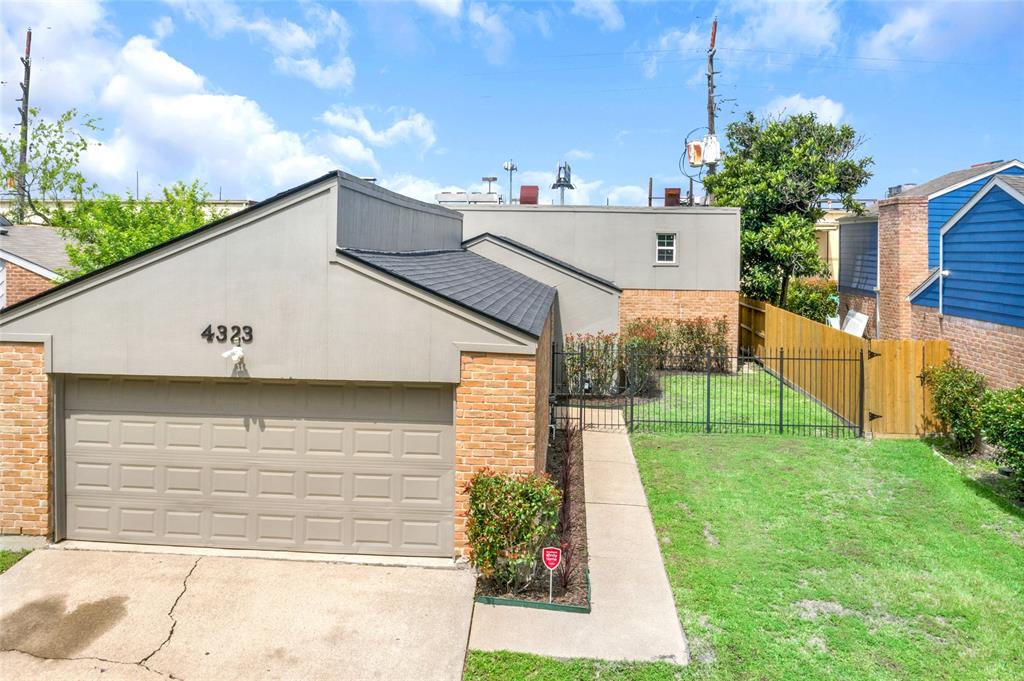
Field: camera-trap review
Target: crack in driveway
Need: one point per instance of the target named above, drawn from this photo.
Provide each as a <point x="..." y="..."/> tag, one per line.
<point x="45" y="630"/>
<point x="174" y="622"/>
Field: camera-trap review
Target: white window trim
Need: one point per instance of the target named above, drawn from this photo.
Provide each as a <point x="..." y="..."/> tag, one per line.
<point x="674" y="248"/>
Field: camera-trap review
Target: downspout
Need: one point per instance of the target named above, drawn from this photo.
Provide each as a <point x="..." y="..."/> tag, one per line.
<point x="942" y="271"/>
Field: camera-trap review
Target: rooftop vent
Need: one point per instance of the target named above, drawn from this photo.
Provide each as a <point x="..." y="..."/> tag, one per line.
<point x="528" y="194"/>
<point x="898" y="189"/>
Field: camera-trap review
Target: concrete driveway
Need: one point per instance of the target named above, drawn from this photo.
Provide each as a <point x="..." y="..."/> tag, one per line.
<point x="105" y="615"/>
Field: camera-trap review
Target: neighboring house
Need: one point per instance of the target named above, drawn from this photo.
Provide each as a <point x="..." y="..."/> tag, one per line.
<point x="383" y="366"/>
<point x="615" y="264"/>
<point x="902" y="248"/>
<point x="974" y="297"/>
<point x="858" y="267"/>
<point x="30" y="259"/>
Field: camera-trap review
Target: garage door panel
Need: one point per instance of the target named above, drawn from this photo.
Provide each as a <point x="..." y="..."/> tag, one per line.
<point x="288" y="528"/>
<point x="274" y="469"/>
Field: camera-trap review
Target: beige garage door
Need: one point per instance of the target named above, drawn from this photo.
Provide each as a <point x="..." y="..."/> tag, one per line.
<point x="345" y="468"/>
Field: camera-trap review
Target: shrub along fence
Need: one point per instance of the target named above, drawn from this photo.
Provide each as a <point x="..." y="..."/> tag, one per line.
<point x="896" y="400"/>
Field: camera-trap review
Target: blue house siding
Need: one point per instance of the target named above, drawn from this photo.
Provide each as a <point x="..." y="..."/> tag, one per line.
<point x="942" y="208"/>
<point x="984" y="254"/>
<point x="858" y="257"/>
<point x="928" y="297"/>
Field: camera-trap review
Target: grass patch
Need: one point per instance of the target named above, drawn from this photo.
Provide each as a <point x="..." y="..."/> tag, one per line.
<point x="745" y="402"/>
<point x="9" y="558"/>
<point x="797" y="558"/>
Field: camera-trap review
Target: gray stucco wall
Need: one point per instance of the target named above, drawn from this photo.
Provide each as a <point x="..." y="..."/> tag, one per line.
<point x="618" y="243"/>
<point x="314" y="316"/>
<point x="374" y="218"/>
<point x="584" y="306"/>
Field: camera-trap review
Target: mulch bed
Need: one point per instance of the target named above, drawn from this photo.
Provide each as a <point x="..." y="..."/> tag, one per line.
<point x="570" y="579"/>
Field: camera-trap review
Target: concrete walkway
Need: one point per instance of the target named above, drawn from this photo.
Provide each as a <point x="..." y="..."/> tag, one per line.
<point x="105" y="615"/>
<point x="633" y="613"/>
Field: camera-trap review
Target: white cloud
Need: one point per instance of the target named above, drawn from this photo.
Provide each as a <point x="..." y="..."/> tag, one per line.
<point x="493" y="36"/>
<point x="446" y="8"/>
<point x="785" y="25"/>
<point x="908" y="33"/>
<point x="66" y="77"/>
<point x="292" y="45"/>
<point x="576" y="154"/>
<point x="686" y="43"/>
<point x="341" y="72"/>
<point x="351" y="149"/>
<point x="628" y="195"/>
<point x="415" y="127"/>
<point x="162" y="27"/>
<point x="604" y="12"/>
<point x="417" y="187"/>
<point x="827" y="110"/>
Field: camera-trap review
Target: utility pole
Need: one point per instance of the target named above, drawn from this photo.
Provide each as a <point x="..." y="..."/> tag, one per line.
<point x="711" y="87"/>
<point x="23" y="110"/>
<point x="510" y="167"/>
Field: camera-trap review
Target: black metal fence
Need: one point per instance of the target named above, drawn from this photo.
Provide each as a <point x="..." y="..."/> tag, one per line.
<point x="806" y="393"/>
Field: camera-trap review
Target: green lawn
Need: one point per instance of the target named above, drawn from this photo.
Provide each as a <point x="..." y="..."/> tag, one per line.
<point x="801" y="558"/>
<point x="747" y="401"/>
<point x="9" y="558"/>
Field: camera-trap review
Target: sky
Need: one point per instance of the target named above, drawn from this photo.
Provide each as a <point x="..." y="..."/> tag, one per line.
<point x="255" y="97"/>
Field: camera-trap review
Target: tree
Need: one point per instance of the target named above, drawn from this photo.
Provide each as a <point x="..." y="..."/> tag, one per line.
<point x="109" y="228"/>
<point x="51" y="165"/>
<point x="778" y="171"/>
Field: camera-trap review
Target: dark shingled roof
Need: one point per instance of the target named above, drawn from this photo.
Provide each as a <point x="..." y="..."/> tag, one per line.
<point x="955" y="177"/>
<point x="541" y="255"/>
<point x="469" y="280"/>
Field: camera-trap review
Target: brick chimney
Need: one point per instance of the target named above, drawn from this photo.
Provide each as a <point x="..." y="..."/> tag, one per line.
<point x="902" y="260"/>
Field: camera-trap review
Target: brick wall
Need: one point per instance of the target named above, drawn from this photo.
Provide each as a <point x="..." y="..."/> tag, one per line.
<point x="495" y="423"/>
<point x="993" y="350"/>
<point x="22" y="284"/>
<point x="864" y="304"/>
<point x="667" y="304"/>
<point x="902" y="260"/>
<point x="24" y="440"/>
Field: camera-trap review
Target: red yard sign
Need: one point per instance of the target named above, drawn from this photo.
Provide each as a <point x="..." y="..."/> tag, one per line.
<point x="552" y="557"/>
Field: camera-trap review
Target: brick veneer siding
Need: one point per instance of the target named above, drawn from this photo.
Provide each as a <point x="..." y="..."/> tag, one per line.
<point x="496" y="421"/>
<point x="863" y="303"/>
<point x="24" y="440"/>
<point x="22" y="284"/>
<point x="902" y="260"/>
<point x="669" y="304"/>
<point x="993" y="350"/>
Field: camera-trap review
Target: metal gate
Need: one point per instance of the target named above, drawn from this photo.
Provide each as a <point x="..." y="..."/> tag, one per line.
<point x="785" y="392"/>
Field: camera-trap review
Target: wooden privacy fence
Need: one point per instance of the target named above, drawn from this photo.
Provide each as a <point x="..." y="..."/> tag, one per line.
<point x="896" y="400"/>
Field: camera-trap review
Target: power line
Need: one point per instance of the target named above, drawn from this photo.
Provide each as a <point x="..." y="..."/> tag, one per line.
<point x="764" y="50"/>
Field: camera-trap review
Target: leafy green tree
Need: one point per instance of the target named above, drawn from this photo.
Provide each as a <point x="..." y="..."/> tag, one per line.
<point x="778" y="171"/>
<point x="51" y="164"/>
<point x="109" y="228"/>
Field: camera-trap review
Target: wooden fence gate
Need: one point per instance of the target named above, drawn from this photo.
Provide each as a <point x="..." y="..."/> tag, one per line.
<point x="896" y="400"/>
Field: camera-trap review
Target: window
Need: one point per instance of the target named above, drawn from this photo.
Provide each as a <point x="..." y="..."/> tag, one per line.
<point x="666" y="251"/>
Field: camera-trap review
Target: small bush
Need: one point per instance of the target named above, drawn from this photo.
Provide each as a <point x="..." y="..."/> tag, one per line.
<point x="957" y="394"/>
<point x="510" y="518"/>
<point x="1002" y="424"/>
<point x="813" y="297"/>
<point x="594" y="356"/>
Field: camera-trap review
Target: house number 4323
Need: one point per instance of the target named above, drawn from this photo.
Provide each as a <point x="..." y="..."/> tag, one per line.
<point x="222" y="334"/>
